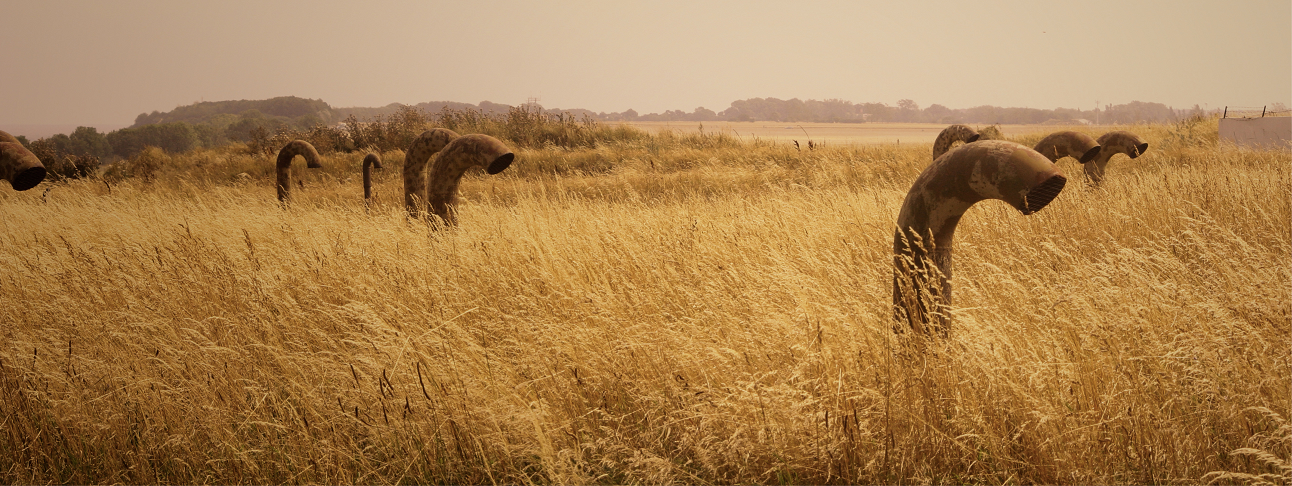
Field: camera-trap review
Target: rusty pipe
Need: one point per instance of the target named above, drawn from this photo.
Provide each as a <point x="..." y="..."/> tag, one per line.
<point x="1077" y="145"/>
<point x="922" y="243"/>
<point x="369" y="162"/>
<point x="462" y="153"/>
<point x="419" y="153"/>
<point x="950" y="135"/>
<point x="1113" y="143"/>
<point x="285" y="156"/>
<point x="18" y="165"/>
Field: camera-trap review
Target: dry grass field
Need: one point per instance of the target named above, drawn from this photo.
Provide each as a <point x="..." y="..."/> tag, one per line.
<point x="832" y="133"/>
<point x="679" y="308"/>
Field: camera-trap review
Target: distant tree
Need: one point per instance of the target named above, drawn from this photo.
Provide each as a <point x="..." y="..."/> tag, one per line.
<point x="908" y="105"/>
<point x="88" y="141"/>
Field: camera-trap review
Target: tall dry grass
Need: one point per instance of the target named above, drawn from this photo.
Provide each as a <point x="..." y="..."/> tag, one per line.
<point x="662" y="309"/>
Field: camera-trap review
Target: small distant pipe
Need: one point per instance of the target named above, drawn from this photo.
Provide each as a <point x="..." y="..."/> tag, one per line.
<point x="922" y="242"/>
<point x="1077" y="145"/>
<point x="1226" y="115"/>
<point x="419" y="153"/>
<point x="1113" y="143"/>
<point x="1263" y="111"/>
<point x="18" y="165"/>
<point x="369" y="162"/>
<point x="949" y="136"/>
<point x="285" y="156"/>
<point x="462" y="153"/>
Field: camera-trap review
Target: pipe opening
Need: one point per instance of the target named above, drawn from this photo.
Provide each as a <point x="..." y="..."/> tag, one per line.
<point x="973" y="138"/>
<point x="1041" y="195"/>
<point x="28" y="178"/>
<point x="501" y="163"/>
<point x="1139" y="150"/>
<point x="1091" y="154"/>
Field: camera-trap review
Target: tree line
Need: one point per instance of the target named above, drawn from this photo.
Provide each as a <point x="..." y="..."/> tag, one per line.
<point x="261" y="123"/>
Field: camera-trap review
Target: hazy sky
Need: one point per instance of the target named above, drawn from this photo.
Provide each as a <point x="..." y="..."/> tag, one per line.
<point x="104" y="62"/>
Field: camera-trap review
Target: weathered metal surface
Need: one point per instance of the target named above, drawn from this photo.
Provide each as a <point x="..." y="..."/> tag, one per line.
<point x="419" y="153"/>
<point x="459" y="155"/>
<point x="1077" y="145"/>
<point x="922" y="242"/>
<point x="1113" y="143"/>
<point x="285" y="156"/>
<point x="370" y="162"/>
<point x="949" y="136"/>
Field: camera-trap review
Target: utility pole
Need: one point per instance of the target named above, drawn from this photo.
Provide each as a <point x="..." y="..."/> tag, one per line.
<point x="1096" y="112"/>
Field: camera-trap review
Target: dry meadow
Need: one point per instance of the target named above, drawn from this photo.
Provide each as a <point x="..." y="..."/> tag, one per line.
<point x="677" y="308"/>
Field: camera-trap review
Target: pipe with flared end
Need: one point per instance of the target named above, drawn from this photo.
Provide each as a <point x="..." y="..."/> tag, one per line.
<point x="950" y="135"/>
<point x="1113" y="143"/>
<point x="1077" y="145"/>
<point x="463" y="153"/>
<point x="419" y="153"/>
<point x="285" y="156"/>
<point x="18" y="165"/>
<point x="369" y="162"/>
<point x="922" y="243"/>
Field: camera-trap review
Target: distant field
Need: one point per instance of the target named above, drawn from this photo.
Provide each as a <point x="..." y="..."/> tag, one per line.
<point x="830" y="133"/>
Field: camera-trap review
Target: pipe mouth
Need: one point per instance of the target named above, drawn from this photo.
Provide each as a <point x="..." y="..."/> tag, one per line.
<point x="313" y="165"/>
<point x="1139" y="150"/>
<point x="28" y="178"/>
<point x="1091" y="154"/>
<point x="1041" y="195"/>
<point x="972" y="138"/>
<point x="501" y="163"/>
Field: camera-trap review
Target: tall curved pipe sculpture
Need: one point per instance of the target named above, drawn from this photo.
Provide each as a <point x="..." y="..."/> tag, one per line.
<point x="922" y="243"/>
<point x="462" y="153"/>
<point x="1077" y="145"/>
<point x="419" y="153"/>
<point x="1113" y="143"/>
<point x="18" y="165"/>
<point x="369" y="162"/>
<point x="950" y="135"/>
<point x="285" y="156"/>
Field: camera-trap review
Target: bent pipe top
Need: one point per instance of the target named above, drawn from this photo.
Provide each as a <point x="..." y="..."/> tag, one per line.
<point x="369" y="162"/>
<point x="462" y="153"/>
<point x="419" y="153"/>
<point x="1113" y="143"/>
<point x="18" y="165"/>
<point x="922" y="242"/>
<point x="950" y="135"/>
<point x="285" y="156"/>
<point x="1077" y="145"/>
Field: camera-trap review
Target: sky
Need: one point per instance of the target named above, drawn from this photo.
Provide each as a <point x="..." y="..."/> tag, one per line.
<point x="102" y="63"/>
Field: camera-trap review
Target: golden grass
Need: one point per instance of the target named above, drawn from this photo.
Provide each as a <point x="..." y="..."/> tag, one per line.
<point x="652" y="312"/>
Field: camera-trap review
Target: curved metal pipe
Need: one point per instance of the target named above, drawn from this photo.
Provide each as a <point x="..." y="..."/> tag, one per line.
<point x="285" y="156"/>
<point x="1113" y="143"/>
<point x="419" y="153"/>
<point x="950" y="135"/>
<point x="922" y="243"/>
<point x="18" y="165"/>
<point x="462" y="153"/>
<point x="369" y="162"/>
<point x="1077" y="145"/>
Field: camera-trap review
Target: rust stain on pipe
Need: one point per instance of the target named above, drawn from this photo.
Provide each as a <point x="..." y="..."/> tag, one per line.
<point x="922" y="243"/>
<point x="950" y="135"/>
<point x="285" y="156"/>
<point x="459" y="155"/>
<point x="419" y="153"/>
<point x="1077" y="145"/>
<point x="369" y="162"/>
<point x="18" y="165"/>
<point x="1113" y="143"/>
